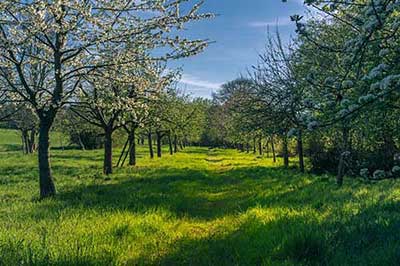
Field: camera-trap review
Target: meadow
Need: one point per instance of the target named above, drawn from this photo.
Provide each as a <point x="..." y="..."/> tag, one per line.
<point x="199" y="207"/>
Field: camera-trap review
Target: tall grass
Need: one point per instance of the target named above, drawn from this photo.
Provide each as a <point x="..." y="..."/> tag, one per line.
<point x="198" y="207"/>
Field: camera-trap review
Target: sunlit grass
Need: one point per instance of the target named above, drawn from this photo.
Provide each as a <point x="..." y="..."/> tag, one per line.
<point x="198" y="207"/>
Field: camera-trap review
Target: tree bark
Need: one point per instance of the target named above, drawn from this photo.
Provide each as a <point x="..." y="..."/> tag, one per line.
<point x="181" y="145"/>
<point x="175" y="143"/>
<point x="32" y="144"/>
<point x="300" y="150"/>
<point x="159" y="146"/>
<point x="345" y="144"/>
<point x="171" y="150"/>
<point x="47" y="187"/>
<point x="260" y="151"/>
<point x="107" y="166"/>
<point x="254" y="146"/>
<point x="241" y="147"/>
<point x="150" y="142"/>
<point x="24" y="138"/>
<point x="285" y="152"/>
<point x="132" y="147"/>
<point x="273" y="149"/>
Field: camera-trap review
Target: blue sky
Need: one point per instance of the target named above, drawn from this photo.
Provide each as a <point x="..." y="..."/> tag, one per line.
<point x="239" y="33"/>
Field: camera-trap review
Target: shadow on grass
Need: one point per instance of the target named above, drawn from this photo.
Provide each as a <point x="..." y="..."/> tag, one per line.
<point x="10" y="147"/>
<point x="296" y="240"/>
<point x="367" y="237"/>
<point x="202" y="194"/>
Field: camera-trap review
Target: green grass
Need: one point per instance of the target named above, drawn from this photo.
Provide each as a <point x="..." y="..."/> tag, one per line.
<point x="198" y="207"/>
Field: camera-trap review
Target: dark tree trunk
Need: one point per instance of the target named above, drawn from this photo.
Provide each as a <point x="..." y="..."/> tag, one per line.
<point x="32" y="144"/>
<point x="247" y="147"/>
<point x="150" y="142"/>
<point x="171" y="150"/>
<point x="273" y="149"/>
<point x="254" y="146"/>
<point x="175" y="143"/>
<point x="47" y="187"/>
<point x="24" y="139"/>
<point x="260" y="150"/>
<point x="132" y="147"/>
<point x="241" y="147"/>
<point x="181" y="145"/>
<point x="342" y="158"/>
<point x="159" y="146"/>
<point x="185" y="142"/>
<point x="300" y="150"/>
<point x="107" y="166"/>
<point x="285" y="152"/>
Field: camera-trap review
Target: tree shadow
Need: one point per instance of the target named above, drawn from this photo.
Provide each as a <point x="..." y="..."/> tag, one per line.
<point x="295" y="240"/>
<point x="201" y="194"/>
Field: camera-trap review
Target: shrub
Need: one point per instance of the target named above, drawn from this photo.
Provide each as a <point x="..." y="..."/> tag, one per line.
<point x="379" y="174"/>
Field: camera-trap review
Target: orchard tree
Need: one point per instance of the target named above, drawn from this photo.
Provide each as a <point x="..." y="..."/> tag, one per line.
<point x="46" y="47"/>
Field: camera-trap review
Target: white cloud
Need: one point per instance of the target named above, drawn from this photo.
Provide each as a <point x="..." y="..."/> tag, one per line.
<point x="200" y="83"/>
<point x="282" y="21"/>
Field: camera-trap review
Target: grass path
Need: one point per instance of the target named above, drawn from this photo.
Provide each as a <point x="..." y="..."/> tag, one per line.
<point x="198" y="207"/>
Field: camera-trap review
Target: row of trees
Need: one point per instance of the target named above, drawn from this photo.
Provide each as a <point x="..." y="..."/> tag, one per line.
<point x="105" y="61"/>
<point x="332" y="93"/>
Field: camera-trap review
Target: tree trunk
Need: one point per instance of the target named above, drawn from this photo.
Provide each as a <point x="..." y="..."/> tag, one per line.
<point x="132" y="147"/>
<point x="32" y="143"/>
<point x="254" y="146"/>
<point x="285" y="152"/>
<point x="340" y="173"/>
<point x="107" y="166"/>
<point x="273" y="149"/>
<point x="241" y="146"/>
<point x="149" y="138"/>
<point x="159" y="146"/>
<point x="24" y="139"/>
<point x="247" y="147"/>
<point x="260" y="147"/>
<point x="181" y="145"/>
<point x="175" y="143"/>
<point x="300" y="150"/>
<point x="47" y="187"/>
<point x="171" y="150"/>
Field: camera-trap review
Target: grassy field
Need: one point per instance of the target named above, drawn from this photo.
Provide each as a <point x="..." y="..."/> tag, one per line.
<point x="198" y="207"/>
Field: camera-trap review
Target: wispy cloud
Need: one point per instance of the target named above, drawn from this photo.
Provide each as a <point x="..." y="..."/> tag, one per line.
<point x="282" y="21"/>
<point x="199" y="83"/>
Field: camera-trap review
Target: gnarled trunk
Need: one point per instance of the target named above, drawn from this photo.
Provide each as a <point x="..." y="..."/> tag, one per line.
<point x="107" y="166"/>
<point x="47" y="187"/>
